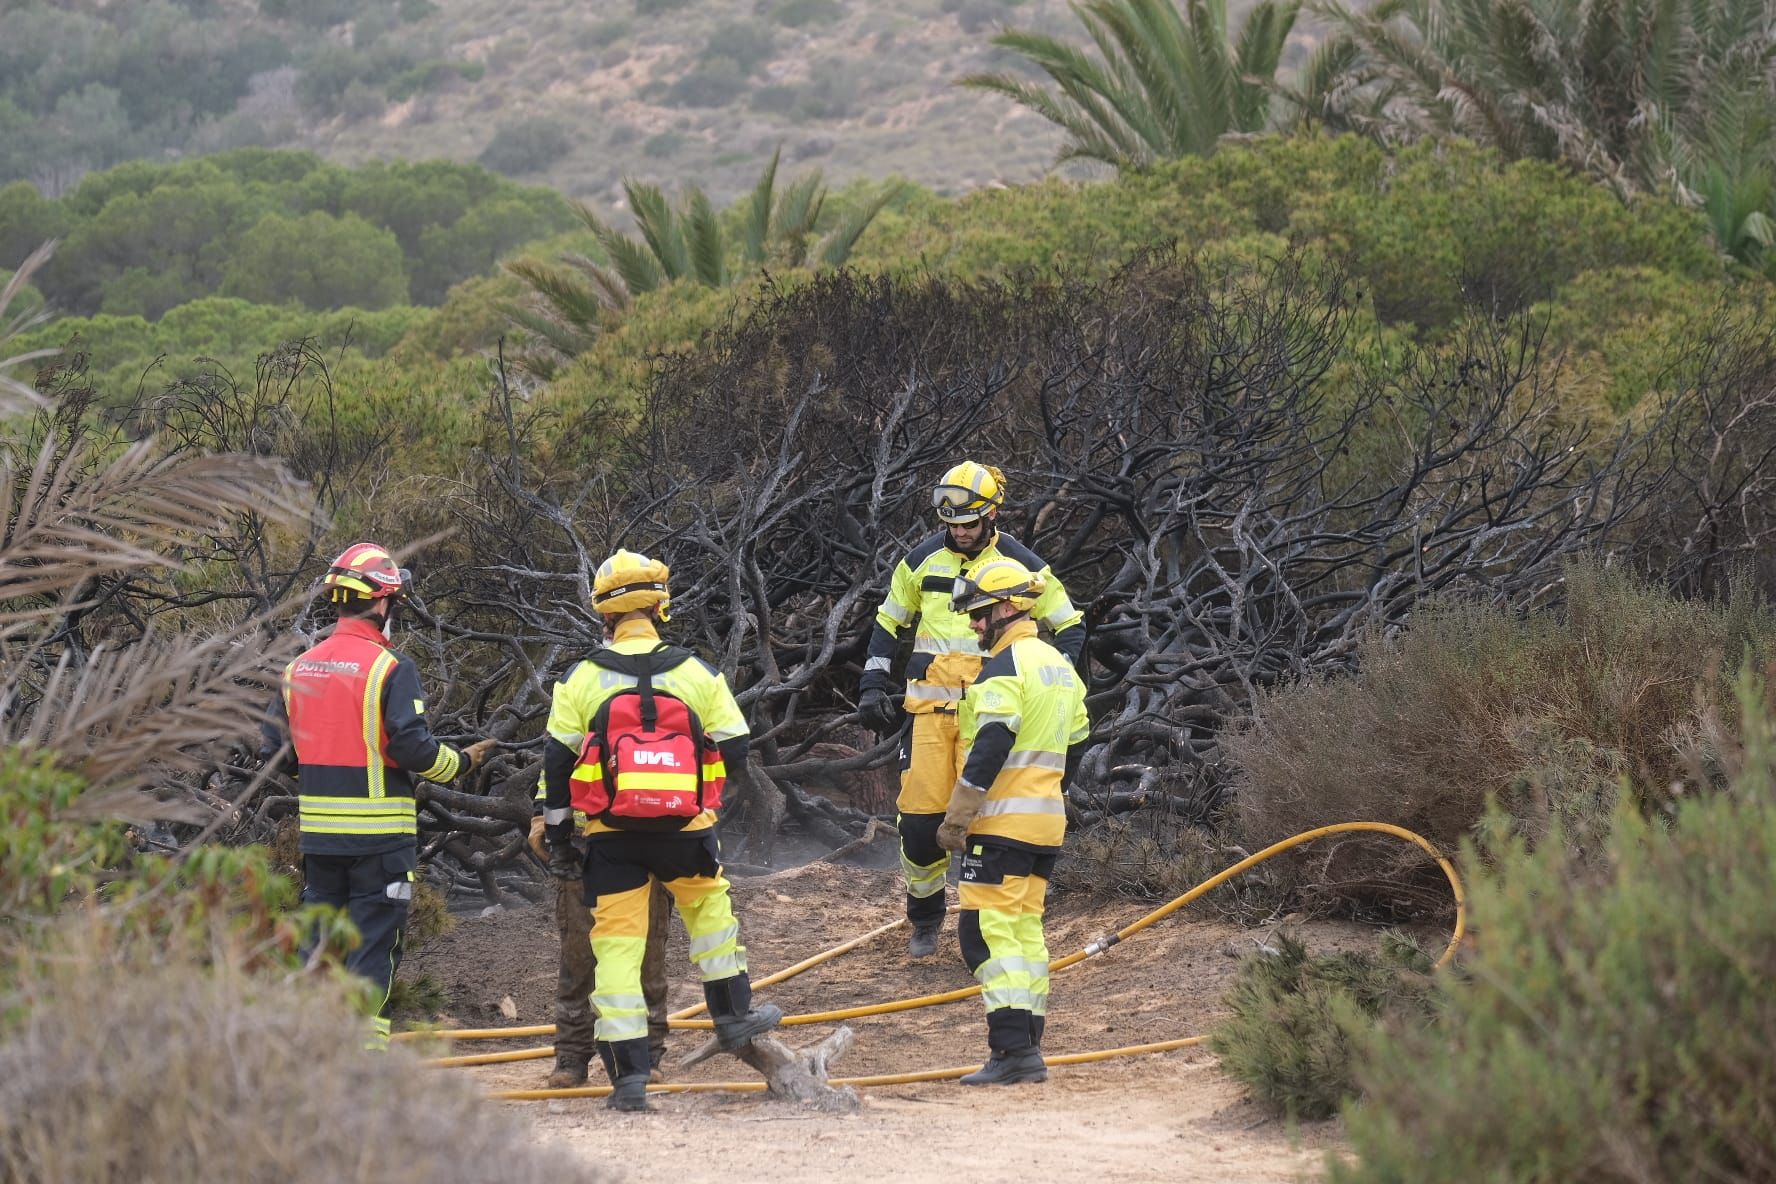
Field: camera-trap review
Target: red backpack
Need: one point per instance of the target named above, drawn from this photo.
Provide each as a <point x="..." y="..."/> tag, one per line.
<point x="646" y="763"/>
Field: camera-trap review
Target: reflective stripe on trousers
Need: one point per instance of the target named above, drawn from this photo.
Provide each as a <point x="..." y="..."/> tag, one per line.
<point x="1008" y="919"/>
<point x="619" y="942"/>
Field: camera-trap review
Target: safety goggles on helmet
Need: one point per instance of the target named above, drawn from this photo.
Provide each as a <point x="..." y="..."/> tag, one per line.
<point x="959" y="505"/>
<point x="966" y="596"/>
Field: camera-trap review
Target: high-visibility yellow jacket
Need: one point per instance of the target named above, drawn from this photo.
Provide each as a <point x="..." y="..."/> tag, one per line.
<point x="1018" y="722"/>
<point x="946" y="656"/>
<point x="587" y="686"/>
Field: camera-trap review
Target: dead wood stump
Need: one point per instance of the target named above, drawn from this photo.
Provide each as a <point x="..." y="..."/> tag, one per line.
<point x="793" y="1074"/>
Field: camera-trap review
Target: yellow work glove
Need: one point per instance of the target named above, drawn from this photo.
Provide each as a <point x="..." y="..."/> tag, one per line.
<point x="474" y="755"/>
<point x="965" y="803"/>
<point x="536" y="838"/>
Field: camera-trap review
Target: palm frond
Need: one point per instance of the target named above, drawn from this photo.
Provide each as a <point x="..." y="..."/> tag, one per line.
<point x="756" y="221"/>
<point x="572" y="301"/>
<point x="567" y="340"/>
<point x="836" y="247"/>
<point x="659" y="229"/>
<point x="798" y="210"/>
<point x="1166" y="81"/>
<point x="639" y="269"/>
<point x="17" y="396"/>
<point x="704" y="242"/>
<point x="126" y="716"/>
<point x="612" y="290"/>
<point x="67" y="526"/>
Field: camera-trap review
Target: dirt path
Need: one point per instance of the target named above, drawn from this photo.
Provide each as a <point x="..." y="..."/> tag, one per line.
<point x="1171" y="1116"/>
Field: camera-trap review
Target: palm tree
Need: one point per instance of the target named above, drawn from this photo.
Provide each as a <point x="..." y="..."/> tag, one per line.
<point x="1644" y="94"/>
<point x="776" y="228"/>
<point x="84" y="513"/>
<point x="1167" y="82"/>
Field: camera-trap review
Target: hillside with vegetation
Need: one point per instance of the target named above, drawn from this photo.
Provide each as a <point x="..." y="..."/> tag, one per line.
<point x="574" y="96"/>
<point x="1401" y="415"/>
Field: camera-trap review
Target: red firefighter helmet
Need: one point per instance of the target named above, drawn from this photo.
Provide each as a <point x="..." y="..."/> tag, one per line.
<point x="365" y="571"/>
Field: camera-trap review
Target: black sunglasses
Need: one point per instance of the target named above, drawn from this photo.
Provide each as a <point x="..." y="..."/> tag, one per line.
<point x="981" y="613"/>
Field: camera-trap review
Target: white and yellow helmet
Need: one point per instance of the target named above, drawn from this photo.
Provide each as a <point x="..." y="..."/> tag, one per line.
<point x="629" y="580"/>
<point x="968" y="492"/>
<point x="995" y="581"/>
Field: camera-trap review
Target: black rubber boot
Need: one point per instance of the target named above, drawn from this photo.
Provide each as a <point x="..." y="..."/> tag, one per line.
<point x="737" y="1021"/>
<point x="627" y="1063"/>
<point x="736" y="1031"/>
<point x="923" y="942"/>
<point x="1010" y="1068"/>
<point x="630" y="1094"/>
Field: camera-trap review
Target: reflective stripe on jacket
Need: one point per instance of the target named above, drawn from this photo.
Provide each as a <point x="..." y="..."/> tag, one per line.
<point x="357" y="722"/>
<point x="946" y="656"/>
<point x="578" y="697"/>
<point x="1018" y="722"/>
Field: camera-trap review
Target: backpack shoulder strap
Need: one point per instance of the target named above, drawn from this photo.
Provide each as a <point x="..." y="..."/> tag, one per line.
<point x="643" y="667"/>
<point x="658" y="660"/>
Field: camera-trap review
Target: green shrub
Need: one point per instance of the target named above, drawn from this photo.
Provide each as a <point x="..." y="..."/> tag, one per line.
<point x="1299" y="1023"/>
<point x="149" y="1071"/>
<point x="799" y="13"/>
<point x="526" y="145"/>
<point x="430" y="76"/>
<point x="749" y="43"/>
<point x="712" y="82"/>
<point x="416" y="998"/>
<point x="599" y="34"/>
<point x="1546" y="714"/>
<point x="1616" y="1017"/>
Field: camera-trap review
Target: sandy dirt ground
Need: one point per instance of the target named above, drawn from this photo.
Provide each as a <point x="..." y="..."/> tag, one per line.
<point x="1170" y="1116"/>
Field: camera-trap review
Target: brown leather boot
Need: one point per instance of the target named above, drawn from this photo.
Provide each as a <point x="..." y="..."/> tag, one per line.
<point x="569" y="1072"/>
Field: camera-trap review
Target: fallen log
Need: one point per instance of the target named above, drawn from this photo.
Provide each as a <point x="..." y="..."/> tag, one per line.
<point x="793" y="1074"/>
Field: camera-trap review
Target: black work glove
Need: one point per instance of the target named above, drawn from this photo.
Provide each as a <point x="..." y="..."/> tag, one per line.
<point x="565" y="861"/>
<point x="877" y="712"/>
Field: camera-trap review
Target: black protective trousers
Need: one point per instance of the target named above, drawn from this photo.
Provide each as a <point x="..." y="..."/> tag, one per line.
<point x="376" y="892"/>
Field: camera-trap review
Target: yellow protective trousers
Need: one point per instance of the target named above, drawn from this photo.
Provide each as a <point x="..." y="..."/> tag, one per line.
<point x="931" y="757"/>
<point x="1003" y="893"/>
<point x="620" y="869"/>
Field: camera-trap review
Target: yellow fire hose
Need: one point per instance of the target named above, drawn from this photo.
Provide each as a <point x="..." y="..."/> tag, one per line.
<point x="756" y="1087"/>
<point x="1093" y="949"/>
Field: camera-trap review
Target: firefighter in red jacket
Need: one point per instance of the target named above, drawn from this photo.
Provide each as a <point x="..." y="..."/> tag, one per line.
<point x="356" y="718"/>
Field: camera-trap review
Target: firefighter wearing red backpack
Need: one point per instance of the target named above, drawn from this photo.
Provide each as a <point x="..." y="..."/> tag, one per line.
<point x="641" y="738"/>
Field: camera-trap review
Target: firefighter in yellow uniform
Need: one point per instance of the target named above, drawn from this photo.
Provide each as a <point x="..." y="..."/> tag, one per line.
<point x="946" y="658"/>
<point x="1021" y="721"/>
<point x="623" y="856"/>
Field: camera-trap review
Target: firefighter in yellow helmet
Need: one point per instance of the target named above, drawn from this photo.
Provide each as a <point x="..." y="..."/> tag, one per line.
<point x="641" y="736"/>
<point x="1021" y="722"/>
<point x="946" y="658"/>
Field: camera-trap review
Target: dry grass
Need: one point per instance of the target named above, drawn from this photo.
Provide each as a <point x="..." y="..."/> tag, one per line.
<point x="172" y="1073"/>
<point x="1550" y="715"/>
<point x="1152" y="855"/>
